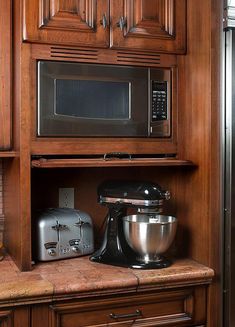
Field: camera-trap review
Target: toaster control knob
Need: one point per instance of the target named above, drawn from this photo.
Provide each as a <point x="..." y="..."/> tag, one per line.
<point x="51" y="252"/>
<point x="75" y="249"/>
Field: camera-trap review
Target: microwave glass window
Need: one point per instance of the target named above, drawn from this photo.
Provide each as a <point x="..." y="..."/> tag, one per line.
<point x="92" y="99"/>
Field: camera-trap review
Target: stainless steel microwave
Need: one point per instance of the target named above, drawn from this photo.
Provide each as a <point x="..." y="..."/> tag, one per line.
<point x="94" y="100"/>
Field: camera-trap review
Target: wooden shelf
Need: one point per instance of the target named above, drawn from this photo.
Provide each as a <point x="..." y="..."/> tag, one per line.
<point x="68" y="163"/>
<point x="8" y="154"/>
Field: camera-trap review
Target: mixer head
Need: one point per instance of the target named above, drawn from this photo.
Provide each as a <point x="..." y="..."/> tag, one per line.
<point x="143" y="195"/>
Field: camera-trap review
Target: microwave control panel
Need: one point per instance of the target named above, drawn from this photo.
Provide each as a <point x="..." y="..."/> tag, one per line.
<point x="160" y="85"/>
<point x="159" y="100"/>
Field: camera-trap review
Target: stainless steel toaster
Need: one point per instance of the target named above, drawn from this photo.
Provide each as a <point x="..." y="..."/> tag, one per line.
<point x="63" y="233"/>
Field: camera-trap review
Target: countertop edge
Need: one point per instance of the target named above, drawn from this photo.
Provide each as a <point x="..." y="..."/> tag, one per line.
<point x="66" y="280"/>
<point x="51" y="298"/>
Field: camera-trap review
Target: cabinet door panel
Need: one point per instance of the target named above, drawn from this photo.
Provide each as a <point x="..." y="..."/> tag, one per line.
<point x="72" y="14"/>
<point x="157" y="25"/>
<point x="77" y="22"/>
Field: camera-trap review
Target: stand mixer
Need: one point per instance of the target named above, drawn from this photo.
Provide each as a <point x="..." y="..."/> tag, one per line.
<point x="128" y="239"/>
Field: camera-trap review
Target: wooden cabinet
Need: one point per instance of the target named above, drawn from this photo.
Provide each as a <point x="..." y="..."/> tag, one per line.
<point x="5" y="75"/>
<point x="179" y="307"/>
<point x="15" y="317"/>
<point x="196" y="194"/>
<point x="169" y="308"/>
<point x="66" y="22"/>
<point x="157" y="25"/>
<point x="6" y="318"/>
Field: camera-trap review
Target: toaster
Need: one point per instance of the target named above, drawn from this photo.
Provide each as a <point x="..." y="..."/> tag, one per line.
<point x="63" y="233"/>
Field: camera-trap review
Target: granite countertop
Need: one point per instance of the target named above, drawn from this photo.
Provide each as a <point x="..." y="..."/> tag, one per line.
<point x="78" y="277"/>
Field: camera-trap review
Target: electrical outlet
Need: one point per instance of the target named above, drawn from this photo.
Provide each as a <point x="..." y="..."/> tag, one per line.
<point x="66" y="197"/>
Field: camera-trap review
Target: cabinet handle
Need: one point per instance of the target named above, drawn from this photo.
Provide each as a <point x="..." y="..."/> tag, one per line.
<point x="117" y="155"/>
<point x="122" y="23"/>
<point x="104" y="21"/>
<point x="136" y="314"/>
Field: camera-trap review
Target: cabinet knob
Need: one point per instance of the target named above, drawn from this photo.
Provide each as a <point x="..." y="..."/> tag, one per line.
<point x="122" y="23"/>
<point x="104" y="21"/>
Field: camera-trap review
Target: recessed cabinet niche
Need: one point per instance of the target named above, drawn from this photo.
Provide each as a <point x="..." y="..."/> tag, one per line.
<point x="157" y="25"/>
<point x="85" y="182"/>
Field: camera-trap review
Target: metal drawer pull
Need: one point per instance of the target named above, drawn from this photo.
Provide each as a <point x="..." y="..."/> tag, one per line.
<point x="137" y="314"/>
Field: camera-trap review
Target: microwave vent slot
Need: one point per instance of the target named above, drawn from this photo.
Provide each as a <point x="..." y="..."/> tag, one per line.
<point x="138" y="58"/>
<point x="68" y="53"/>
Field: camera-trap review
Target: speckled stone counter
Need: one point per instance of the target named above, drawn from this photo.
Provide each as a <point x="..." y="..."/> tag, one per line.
<point x="81" y="278"/>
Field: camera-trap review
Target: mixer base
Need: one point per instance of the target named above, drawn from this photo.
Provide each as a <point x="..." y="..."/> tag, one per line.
<point x="130" y="262"/>
<point x="163" y="263"/>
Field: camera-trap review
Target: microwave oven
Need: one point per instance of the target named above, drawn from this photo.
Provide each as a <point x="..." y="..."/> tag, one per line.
<point x="96" y="100"/>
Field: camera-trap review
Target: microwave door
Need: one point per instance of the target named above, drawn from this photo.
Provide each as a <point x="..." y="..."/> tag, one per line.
<point x="92" y="100"/>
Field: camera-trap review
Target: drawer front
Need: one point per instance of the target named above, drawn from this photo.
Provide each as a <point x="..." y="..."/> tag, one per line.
<point x="6" y="318"/>
<point x="185" y="307"/>
<point x="15" y="317"/>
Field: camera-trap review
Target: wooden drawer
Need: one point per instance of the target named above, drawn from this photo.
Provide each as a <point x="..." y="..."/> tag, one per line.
<point x="184" y="307"/>
<point x="6" y="318"/>
<point x="15" y="317"/>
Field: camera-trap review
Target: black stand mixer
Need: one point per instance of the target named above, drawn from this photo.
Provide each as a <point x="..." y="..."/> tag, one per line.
<point x="148" y="199"/>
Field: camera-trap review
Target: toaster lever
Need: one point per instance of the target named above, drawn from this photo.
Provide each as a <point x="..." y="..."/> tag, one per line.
<point x="59" y="227"/>
<point x="81" y="223"/>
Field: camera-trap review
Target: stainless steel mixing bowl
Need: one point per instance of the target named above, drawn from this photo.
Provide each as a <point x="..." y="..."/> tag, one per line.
<point x="149" y="235"/>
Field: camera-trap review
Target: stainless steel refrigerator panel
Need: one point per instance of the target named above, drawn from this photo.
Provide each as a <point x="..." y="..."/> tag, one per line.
<point x="229" y="179"/>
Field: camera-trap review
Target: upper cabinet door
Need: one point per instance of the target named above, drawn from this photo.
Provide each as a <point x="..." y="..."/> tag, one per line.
<point x="73" y="22"/>
<point x="156" y="25"/>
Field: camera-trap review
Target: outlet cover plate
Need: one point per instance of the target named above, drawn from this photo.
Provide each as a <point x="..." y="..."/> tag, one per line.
<point x="66" y="197"/>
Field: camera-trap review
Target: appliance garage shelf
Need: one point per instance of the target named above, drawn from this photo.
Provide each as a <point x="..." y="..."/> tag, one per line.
<point x="101" y="162"/>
